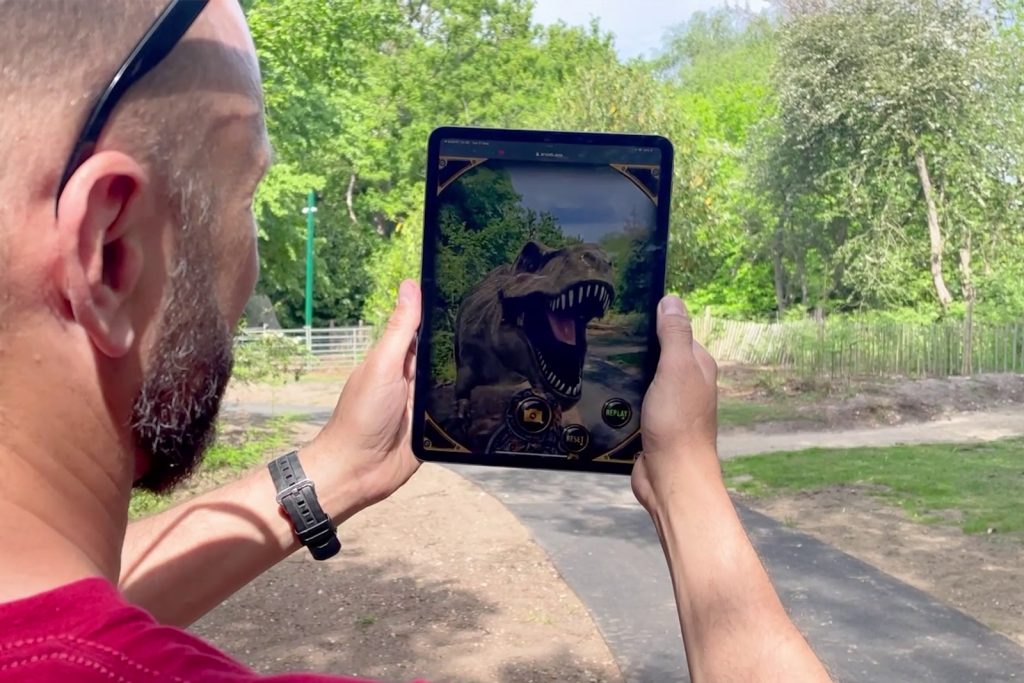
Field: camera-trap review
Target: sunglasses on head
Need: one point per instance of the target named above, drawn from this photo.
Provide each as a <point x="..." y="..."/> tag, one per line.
<point x="161" y="37"/>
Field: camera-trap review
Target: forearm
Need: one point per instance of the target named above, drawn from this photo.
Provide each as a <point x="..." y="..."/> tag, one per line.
<point x="734" y="626"/>
<point x="183" y="562"/>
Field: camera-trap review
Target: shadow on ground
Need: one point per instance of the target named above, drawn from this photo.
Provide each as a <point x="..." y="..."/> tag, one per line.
<point x="392" y="619"/>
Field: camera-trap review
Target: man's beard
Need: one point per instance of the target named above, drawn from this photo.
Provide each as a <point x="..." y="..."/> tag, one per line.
<point x="174" y="416"/>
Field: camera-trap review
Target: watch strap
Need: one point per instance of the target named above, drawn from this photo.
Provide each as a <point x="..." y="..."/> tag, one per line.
<point x="297" y="496"/>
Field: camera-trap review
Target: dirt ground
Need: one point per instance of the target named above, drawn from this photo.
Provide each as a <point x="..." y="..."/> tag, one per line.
<point x="981" y="575"/>
<point x="868" y="402"/>
<point x="439" y="582"/>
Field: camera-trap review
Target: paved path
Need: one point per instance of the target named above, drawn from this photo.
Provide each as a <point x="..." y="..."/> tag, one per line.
<point x="865" y="624"/>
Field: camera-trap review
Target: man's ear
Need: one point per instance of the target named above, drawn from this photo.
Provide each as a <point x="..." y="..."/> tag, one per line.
<point x="531" y="257"/>
<point x="100" y="250"/>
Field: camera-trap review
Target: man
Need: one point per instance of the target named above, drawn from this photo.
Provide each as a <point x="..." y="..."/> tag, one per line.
<point x="127" y="253"/>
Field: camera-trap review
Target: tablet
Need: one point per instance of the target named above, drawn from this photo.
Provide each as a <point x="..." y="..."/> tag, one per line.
<point x="543" y="264"/>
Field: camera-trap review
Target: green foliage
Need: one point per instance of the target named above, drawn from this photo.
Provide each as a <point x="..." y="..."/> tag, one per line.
<point x="399" y="258"/>
<point x="980" y="482"/>
<point x="872" y="94"/>
<point x="270" y="357"/>
<point x="250" y="448"/>
<point x="796" y="190"/>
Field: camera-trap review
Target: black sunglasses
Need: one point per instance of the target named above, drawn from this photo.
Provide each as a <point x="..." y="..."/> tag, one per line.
<point x="159" y="40"/>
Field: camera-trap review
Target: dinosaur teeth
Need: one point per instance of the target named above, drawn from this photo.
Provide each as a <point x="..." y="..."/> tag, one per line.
<point x="571" y="302"/>
<point x="562" y="300"/>
<point x="588" y="291"/>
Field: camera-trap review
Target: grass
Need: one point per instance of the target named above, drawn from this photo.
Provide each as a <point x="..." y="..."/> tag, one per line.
<point x="234" y="453"/>
<point x="633" y="358"/>
<point x="983" y="484"/>
<point x="738" y="413"/>
<point x="338" y="375"/>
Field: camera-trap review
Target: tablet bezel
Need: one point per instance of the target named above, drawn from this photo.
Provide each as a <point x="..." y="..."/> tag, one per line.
<point x="428" y="284"/>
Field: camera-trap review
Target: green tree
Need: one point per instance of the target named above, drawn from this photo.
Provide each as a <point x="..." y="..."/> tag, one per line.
<point x="892" y="141"/>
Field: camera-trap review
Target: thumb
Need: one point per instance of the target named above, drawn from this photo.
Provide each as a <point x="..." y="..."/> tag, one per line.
<point x="400" y="331"/>
<point x="675" y="333"/>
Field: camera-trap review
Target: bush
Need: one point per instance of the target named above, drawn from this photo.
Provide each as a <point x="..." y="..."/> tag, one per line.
<point x="270" y="357"/>
<point x="395" y="260"/>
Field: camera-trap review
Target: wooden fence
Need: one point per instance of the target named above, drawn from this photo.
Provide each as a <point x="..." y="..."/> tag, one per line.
<point x="847" y="349"/>
<point x="330" y="346"/>
<point x="837" y="350"/>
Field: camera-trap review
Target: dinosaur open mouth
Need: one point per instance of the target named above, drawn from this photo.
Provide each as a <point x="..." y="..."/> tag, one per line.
<point x="556" y="327"/>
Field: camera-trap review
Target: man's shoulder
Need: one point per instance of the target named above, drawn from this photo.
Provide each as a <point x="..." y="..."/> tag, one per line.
<point x="86" y="632"/>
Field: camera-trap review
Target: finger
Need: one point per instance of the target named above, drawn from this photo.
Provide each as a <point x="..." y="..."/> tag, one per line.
<point x="675" y="333"/>
<point x="390" y="352"/>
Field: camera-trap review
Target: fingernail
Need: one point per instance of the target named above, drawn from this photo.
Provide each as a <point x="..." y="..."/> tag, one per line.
<point x="673" y="305"/>
<point x="405" y="292"/>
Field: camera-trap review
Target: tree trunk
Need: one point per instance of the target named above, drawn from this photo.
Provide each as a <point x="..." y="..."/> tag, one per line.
<point x="777" y="265"/>
<point x="968" y="290"/>
<point x="934" y="231"/>
<point x="349" y="195"/>
<point x="841" y="229"/>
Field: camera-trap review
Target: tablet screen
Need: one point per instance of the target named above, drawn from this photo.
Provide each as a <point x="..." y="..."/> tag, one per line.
<point x="543" y="269"/>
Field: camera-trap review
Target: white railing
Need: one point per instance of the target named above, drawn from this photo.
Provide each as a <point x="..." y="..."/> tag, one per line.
<point x="335" y="346"/>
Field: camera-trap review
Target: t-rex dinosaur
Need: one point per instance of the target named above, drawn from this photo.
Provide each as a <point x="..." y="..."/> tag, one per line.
<point x="528" y="321"/>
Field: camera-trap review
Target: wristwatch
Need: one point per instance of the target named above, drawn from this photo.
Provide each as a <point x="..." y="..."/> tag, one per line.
<point x="297" y="497"/>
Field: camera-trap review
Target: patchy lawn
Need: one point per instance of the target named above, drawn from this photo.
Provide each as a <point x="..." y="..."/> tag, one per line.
<point x="978" y="486"/>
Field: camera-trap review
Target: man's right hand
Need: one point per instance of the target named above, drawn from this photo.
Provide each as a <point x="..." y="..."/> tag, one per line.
<point x="679" y="417"/>
<point x="733" y="625"/>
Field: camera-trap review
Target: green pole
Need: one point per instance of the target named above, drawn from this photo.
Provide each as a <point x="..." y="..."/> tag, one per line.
<point x="310" y="212"/>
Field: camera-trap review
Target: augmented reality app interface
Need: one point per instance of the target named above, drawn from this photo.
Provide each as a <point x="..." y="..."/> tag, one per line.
<point x="544" y="268"/>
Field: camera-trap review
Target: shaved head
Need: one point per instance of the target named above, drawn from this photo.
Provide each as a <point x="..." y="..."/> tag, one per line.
<point x="56" y="56"/>
<point x="139" y="270"/>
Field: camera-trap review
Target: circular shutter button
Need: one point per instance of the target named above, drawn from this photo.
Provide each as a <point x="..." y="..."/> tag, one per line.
<point x="533" y="415"/>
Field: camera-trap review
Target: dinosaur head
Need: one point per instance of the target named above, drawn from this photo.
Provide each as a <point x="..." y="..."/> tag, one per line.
<point x="551" y="296"/>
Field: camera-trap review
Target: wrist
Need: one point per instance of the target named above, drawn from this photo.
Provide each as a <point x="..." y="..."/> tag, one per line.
<point x="339" y="490"/>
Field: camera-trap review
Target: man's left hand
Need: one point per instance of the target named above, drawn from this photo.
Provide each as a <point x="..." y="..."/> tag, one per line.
<point x="365" y="450"/>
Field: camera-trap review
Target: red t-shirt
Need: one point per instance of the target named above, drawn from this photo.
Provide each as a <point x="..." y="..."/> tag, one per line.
<point x="86" y="632"/>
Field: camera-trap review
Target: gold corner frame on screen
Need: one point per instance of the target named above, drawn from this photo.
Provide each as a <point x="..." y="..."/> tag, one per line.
<point x="610" y="455"/>
<point x="428" y="420"/>
<point x="624" y="170"/>
<point x="475" y="161"/>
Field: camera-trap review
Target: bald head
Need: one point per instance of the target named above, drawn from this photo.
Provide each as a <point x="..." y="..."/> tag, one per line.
<point x="56" y="56"/>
